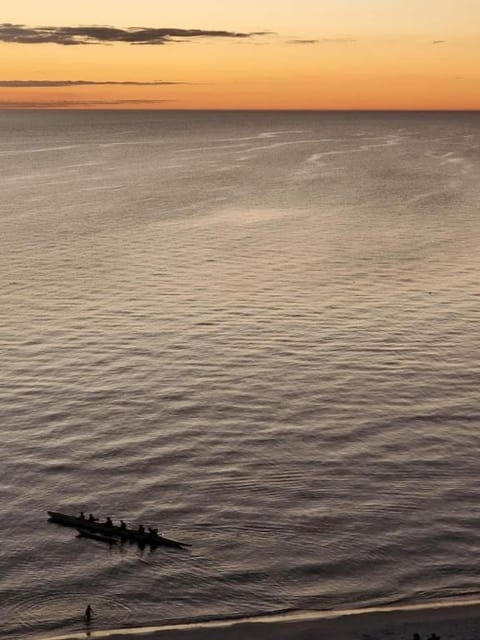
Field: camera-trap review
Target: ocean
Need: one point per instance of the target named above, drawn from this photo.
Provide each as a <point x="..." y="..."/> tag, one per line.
<point x="257" y="331"/>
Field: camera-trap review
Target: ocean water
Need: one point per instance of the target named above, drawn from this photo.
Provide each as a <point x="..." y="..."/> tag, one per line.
<point x="257" y="331"/>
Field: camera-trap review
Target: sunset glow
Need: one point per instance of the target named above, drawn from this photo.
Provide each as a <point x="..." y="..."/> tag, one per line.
<point x="308" y="54"/>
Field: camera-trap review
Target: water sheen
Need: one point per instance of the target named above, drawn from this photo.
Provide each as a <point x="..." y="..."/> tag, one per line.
<point x="257" y="331"/>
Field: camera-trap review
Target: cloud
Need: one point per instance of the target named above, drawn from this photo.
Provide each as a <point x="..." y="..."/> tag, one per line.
<point x="438" y="41"/>
<point x="62" y="104"/>
<point x="322" y="41"/>
<point x="21" y="34"/>
<point x="297" y="41"/>
<point x="82" y="83"/>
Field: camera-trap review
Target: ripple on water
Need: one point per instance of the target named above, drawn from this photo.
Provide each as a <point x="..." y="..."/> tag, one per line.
<point x="63" y="610"/>
<point x="285" y="378"/>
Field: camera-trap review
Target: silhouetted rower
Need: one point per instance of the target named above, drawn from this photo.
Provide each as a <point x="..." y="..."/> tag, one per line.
<point x="109" y="522"/>
<point x="82" y="515"/>
<point x="141" y="528"/>
<point x="91" y="518"/>
<point x="88" y="613"/>
<point x="123" y="526"/>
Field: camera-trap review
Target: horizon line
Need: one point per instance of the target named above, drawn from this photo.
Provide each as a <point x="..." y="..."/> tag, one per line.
<point x="246" y="110"/>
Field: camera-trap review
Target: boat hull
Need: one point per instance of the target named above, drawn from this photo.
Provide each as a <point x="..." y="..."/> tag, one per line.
<point x="83" y="533"/>
<point x="113" y="531"/>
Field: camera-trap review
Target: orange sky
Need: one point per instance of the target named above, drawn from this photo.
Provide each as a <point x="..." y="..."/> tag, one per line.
<point x="302" y="54"/>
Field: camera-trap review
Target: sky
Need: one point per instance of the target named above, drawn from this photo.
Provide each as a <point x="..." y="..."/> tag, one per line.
<point x="240" y="54"/>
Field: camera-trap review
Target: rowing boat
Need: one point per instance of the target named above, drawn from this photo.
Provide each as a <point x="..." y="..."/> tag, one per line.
<point x="113" y="531"/>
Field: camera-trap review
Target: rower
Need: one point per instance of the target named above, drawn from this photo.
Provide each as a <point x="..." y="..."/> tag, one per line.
<point x="141" y="528"/>
<point x="91" y="518"/>
<point x="153" y="532"/>
<point x="82" y="515"/>
<point x="109" y="522"/>
<point x="123" y="526"/>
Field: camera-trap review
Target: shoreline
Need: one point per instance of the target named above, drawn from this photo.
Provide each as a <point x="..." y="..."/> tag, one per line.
<point x="455" y="619"/>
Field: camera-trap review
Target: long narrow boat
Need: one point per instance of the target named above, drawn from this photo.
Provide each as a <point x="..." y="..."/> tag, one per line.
<point x="153" y="540"/>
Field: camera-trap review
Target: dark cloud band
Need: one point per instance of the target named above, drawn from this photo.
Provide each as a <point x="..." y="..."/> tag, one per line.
<point x="81" y="83"/>
<point x="21" y="34"/>
<point x="62" y="104"/>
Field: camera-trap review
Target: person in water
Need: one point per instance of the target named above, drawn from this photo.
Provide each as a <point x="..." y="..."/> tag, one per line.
<point x="88" y="613"/>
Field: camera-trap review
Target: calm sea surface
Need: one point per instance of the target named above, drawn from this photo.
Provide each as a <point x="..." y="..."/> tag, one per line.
<point x="257" y="331"/>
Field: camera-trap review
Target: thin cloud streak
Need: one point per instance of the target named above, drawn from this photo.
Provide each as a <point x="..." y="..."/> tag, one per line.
<point x="83" y="83"/>
<point x="60" y="104"/>
<point x="322" y="41"/>
<point x="298" y="41"/>
<point x="70" y="36"/>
